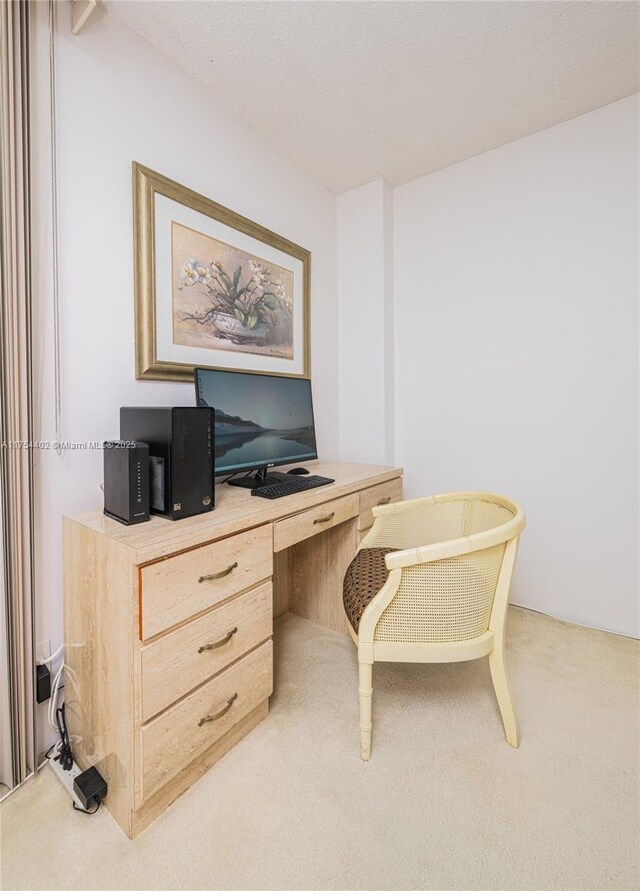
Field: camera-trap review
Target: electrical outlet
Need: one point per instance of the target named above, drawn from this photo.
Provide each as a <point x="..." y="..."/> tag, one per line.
<point x="66" y="777"/>
<point x="43" y="650"/>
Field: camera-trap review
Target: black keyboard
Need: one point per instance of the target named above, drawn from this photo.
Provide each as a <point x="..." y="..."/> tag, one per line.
<point x="289" y="487"/>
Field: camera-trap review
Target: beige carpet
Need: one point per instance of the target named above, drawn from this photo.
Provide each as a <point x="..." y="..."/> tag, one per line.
<point x="444" y="802"/>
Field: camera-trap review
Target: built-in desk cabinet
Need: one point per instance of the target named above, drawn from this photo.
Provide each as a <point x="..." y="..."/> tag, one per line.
<point x="168" y="625"/>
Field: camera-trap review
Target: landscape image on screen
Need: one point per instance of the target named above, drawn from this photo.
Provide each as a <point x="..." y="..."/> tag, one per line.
<point x="259" y="419"/>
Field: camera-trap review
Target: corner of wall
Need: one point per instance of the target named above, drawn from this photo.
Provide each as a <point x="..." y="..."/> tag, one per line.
<point x="365" y="322"/>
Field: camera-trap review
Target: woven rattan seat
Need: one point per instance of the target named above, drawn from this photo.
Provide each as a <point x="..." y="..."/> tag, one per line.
<point x="430" y="583"/>
<point x="366" y="574"/>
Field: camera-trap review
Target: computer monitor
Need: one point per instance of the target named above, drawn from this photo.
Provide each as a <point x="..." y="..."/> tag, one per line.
<point x="261" y="421"/>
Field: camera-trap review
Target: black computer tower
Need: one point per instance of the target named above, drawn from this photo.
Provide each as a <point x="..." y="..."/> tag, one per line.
<point x="181" y="459"/>
<point x="126" y="481"/>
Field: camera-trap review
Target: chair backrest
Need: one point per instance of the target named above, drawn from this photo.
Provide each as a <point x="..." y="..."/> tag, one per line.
<point x="450" y="599"/>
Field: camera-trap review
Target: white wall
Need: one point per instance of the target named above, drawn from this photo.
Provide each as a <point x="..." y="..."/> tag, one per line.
<point x="516" y="316"/>
<point x="365" y="323"/>
<point x="119" y="100"/>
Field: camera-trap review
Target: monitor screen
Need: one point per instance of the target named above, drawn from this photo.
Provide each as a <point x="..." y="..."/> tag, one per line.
<point x="260" y="419"/>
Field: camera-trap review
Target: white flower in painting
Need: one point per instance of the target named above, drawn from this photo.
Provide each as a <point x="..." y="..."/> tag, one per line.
<point x="282" y="297"/>
<point x="257" y="269"/>
<point x="204" y="273"/>
<point x="189" y="272"/>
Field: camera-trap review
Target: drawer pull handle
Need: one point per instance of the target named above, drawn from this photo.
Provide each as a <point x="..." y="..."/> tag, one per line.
<point x="218" y="575"/>
<point x="325" y="519"/>
<point x="218" y="643"/>
<point x="223" y="711"/>
<point x="386" y="500"/>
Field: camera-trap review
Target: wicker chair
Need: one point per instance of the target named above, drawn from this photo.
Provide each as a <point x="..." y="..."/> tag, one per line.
<point x="430" y="583"/>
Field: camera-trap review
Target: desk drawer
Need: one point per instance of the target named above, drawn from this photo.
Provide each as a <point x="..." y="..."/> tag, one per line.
<point x="170" y="742"/>
<point x="294" y="529"/>
<point x="181" y="660"/>
<point x="179" y="587"/>
<point x="385" y="493"/>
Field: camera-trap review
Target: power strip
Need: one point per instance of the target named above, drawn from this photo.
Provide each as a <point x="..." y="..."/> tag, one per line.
<point x="66" y="777"/>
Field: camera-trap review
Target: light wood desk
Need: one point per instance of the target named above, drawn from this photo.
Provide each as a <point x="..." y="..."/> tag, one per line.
<point x="168" y="625"/>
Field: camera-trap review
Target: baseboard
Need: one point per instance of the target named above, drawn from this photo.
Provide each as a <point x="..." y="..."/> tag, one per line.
<point x="573" y="622"/>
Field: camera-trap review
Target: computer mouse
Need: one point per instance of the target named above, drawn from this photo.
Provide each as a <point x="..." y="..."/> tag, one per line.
<point x="298" y="471"/>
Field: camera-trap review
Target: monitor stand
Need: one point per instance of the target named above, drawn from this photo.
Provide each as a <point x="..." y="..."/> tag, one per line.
<point x="259" y="478"/>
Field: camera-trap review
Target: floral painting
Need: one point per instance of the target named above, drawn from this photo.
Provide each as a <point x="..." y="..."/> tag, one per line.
<point x="214" y="289"/>
<point x="227" y="299"/>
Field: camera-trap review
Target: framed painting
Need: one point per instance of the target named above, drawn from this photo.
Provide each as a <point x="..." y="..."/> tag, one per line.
<point x="214" y="289"/>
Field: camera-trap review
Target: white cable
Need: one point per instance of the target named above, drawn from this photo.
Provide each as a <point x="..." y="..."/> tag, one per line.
<point x="53" y="701"/>
<point x="54" y="698"/>
<point x="51" y="658"/>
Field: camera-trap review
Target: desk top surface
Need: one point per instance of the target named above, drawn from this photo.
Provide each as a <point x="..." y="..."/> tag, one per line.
<point x="236" y="510"/>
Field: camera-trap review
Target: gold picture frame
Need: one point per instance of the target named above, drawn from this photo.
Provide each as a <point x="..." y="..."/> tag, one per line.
<point x="252" y="355"/>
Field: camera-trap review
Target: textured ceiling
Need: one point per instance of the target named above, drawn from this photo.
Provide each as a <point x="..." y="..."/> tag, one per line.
<point x="357" y="90"/>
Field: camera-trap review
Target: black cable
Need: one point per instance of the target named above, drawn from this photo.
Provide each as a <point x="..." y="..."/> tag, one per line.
<point x="98" y="802"/>
<point x="66" y="756"/>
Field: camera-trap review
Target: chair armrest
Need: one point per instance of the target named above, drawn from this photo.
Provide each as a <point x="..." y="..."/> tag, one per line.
<point x="429" y="553"/>
<point x="479" y="541"/>
<point x="413" y="503"/>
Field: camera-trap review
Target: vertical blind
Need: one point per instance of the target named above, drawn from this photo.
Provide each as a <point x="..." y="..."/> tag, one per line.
<point x="16" y="389"/>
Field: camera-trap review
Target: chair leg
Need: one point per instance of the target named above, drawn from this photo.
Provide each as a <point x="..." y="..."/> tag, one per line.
<point x="503" y="695"/>
<point x="365" y="690"/>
